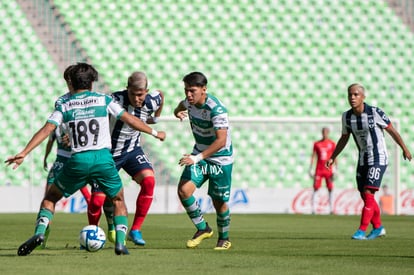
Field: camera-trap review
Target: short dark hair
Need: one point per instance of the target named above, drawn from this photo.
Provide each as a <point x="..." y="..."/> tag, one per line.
<point x="82" y="75"/>
<point x="195" y="79"/>
<point x="66" y="73"/>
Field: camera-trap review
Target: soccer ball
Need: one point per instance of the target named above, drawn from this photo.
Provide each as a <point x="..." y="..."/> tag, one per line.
<point x="92" y="238"/>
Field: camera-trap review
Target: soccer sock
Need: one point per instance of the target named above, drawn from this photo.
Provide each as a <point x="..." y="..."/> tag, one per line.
<point x="367" y="211"/>
<point x="313" y="201"/>
<point x="330" y="201"/>
<point x="194" y="212"/>
<point x="86" y="194"/>
<point x="95" y="207"/>
<point x="108" y="208"/>
<point x="223" y="224"/>
<point x="44" y="217"/>
<point x="376" y="218"/>
<point x="121" y="227"/>
<point x="143" y="202"/>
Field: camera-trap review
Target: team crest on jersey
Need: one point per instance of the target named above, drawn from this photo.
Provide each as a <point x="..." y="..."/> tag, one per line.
<point x="204" y="114"/>
<point x="371" y="122"/>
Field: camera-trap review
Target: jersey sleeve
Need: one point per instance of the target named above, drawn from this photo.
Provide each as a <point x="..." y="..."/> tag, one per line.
<point x="345" y="130"/>
<point x="220" y="118"/>
<point x="115" y="109"/>
<point x="381" y="118"/>
<point x="56" y="118"/>
<point x="155" y="100"/>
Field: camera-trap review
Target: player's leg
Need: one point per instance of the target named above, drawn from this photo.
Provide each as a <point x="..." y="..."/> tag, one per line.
<point x="104" y="173"/>
<point x="95" y="205"/>
<point x="86" y="194"/>
<point x="317" y="182"/>
<point x="146" y="180"/>
<point x="219" y="190"/>
<point x="191" y="178"/>
<point x="330" y="186"/>
<point x="44" y="217"/>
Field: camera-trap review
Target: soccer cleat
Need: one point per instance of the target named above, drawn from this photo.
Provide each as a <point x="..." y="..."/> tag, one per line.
<point x="223" y="244"/>
<point x="376" y="232"/>
<point x="136" y="237"/>
<point x="199" y="236"/>
<point x="27" y="247"/>
<point x="43" y="245"/>
<point x="359" y="235"/>
<point x="111" y="236"/>
<point x="120" y="249"/>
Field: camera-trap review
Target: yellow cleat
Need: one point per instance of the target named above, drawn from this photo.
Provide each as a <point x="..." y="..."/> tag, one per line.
<point x="111" y="236"/>
<point x="223" y="245"/>
<point x="199" y="236"/>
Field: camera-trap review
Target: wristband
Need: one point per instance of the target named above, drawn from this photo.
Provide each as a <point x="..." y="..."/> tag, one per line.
<point x="154" y="133"/>
<point x="196" y="158"/>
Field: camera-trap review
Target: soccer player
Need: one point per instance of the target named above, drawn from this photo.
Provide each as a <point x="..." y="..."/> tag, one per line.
<point x="128" y="153"/>
<point x="366" y="123"/>
<point x="211" y="159"/>
<point x="85" y="114"/>
<point x="322" y="149"/>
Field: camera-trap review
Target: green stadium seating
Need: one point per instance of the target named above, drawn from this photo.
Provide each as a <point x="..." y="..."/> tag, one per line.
<point x="263" y="59"/>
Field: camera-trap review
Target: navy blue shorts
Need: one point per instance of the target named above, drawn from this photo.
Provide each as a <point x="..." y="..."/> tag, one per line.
<point x="370" y="176"/>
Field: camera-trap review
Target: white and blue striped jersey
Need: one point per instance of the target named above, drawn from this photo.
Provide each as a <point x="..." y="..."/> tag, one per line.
<point x="367" y="131"/>
<point x="205" y="120"/>
<point x="125" y="138"/>
<point x="85" y="115"/>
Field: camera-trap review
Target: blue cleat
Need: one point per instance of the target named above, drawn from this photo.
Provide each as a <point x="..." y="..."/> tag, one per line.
<point x="376" y="232"/>
<point x="136" y="237"/>
<point x="359" y="235"/>
<point x="120" y="249"/>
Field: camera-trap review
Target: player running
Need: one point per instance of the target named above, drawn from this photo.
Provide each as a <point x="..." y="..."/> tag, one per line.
<point x="85" y="114"/>
<point x="211" y="159"/>
<point x="366" y="123"/>
<point x="129" y="155"/>
<point x="322" y="150"/>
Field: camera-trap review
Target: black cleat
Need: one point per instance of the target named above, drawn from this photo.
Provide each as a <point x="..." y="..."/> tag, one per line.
<point x="27" y="247"/>
<point x="120" y="249"/>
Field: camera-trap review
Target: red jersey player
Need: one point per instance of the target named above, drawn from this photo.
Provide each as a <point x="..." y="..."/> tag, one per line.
<point x="322" y="149"/>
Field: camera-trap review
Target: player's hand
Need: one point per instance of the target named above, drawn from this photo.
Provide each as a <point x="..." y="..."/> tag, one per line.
<point x="161" y="135"/>
<point x="310" y="172"/>
<point x="329" y="163"/>
<point x="66" y="140"/>
<point x="17" y="160"/>
<point x="181" y="115"/>
<point x="407" y="155"/>
<point x="188" y="159"/>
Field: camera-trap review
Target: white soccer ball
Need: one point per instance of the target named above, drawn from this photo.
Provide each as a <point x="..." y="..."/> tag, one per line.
<point x="92" y="238"/>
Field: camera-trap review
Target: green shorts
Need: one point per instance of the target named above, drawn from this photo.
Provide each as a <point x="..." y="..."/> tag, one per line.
<point x="91" y="166"/>
<point x="56" y="169"/>
<point x="219" y="177"/>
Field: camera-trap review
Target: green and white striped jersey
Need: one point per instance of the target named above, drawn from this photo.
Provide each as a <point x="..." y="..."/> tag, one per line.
<point x="85" y="115"/>
<point x="205" y="120"/>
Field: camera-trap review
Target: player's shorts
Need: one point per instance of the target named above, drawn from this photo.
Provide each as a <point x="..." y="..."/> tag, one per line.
<point x="91" y="166"/>
<point x="132" y="162"/>
<point x="56" y="169"/>
<point x="319" y="176"/>
<point x="219" y="177"/>
<point x="370" y="176"/>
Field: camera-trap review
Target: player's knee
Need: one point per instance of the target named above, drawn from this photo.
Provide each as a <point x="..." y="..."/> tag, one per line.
<point x="147" y="186"/>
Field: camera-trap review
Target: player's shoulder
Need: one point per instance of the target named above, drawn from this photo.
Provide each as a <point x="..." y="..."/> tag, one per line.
<point x="215" y="104"/>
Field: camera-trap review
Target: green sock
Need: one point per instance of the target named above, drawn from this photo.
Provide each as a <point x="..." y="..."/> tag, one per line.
<point x="44" y="217"/>
<point x="223" y="224"/>
<point x="121" y="226"/>
<point x="194" y="212"/>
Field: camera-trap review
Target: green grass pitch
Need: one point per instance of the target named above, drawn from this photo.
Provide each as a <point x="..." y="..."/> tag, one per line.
<point x="262" y="244"/>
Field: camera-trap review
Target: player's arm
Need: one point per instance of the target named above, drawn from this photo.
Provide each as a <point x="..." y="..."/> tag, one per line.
<point x="220" y="142"/>
<point x="313" y="157"/>
<point x="37" y="138"/>
<point x="180" y="111"/>
<point x="49" y="146"/>
<point x="139" y="125"/>
<point x="154" y="119"/>
<point x="343" y="140"/>
<point x="398" y="139"/>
